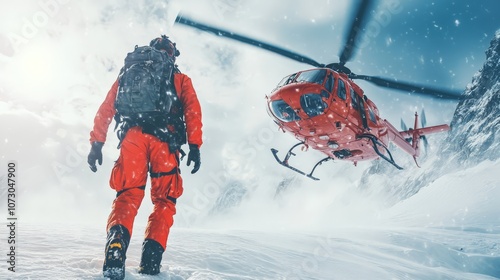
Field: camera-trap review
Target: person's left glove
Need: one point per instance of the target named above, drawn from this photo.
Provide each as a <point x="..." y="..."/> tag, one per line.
<point x="194" y="156"/>
<point x="95" y="155"/>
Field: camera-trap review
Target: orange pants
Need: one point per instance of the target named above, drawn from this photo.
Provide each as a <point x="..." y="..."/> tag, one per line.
<point x="140" y="153"/>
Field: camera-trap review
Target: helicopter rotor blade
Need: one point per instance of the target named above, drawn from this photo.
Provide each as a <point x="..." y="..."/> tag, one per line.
<point x="414" y="88"/>
<point x="356" y="26"/>
<point x="181" y="19"/>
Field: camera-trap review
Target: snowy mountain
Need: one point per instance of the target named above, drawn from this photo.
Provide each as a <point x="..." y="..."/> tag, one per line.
<point x="473" y="137"/>
<point x="476" y="122"/>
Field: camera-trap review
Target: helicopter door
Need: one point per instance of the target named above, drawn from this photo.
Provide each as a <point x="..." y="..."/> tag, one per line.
<point x="362" y="110"/>
<point x="330" y="81"/>
<point x="342" y="95"/>
<point x="359" y="106"/>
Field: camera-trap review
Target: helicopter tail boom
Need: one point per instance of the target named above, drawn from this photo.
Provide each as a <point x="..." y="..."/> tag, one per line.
<point x="409" y="140"/>
<point x="425" y="131"/>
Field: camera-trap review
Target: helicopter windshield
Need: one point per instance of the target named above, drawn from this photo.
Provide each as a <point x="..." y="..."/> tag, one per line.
<point x="312" y="104"/>
<point x="283" y="111"/>
<point x="316" y="76"/>
<point x="286" y="80"/>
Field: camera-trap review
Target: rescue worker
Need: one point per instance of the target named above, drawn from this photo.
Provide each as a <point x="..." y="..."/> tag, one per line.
<point x="142" y="152"/>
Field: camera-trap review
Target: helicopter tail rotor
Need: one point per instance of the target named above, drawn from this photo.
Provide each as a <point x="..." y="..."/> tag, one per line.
<point x="423" y="122"/>
<point x="404" y="127"/>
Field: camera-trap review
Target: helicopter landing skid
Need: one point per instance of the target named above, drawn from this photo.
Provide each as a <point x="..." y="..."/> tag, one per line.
<point x="289" y="154"/>
<point x="376" y="143"/>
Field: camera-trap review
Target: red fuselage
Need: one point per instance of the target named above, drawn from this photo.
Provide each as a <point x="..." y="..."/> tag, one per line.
<point x="328" y="112"/>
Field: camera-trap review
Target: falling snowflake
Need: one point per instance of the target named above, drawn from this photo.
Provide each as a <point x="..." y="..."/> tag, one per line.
<point x="388" y="41"/>
<point x="457" y="22"/>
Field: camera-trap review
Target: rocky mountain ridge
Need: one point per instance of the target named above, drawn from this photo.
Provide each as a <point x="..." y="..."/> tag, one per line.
<point x="473" y="137"/>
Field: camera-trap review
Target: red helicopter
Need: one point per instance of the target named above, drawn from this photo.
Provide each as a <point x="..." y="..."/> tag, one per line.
<point x="326" y="111"/>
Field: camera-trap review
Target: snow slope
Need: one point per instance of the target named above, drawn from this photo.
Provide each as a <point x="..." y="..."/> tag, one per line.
<point x="449" y="230"/>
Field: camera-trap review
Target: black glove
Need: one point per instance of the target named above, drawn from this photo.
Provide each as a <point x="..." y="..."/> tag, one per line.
<point x="95" y="155"/>
<point x="194" y="155"/>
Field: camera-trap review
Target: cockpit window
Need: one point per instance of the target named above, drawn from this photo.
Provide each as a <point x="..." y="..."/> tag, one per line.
<point x="312" y="104"/>
<point x="372" y="115"/>
<point x="341" y="90"/>
<point x="329" y="83"/>
<point x="316" y="76"/>
<point x="354" y="100"/>
<point x="283" y="111"/>
<point x="286" y="80"/>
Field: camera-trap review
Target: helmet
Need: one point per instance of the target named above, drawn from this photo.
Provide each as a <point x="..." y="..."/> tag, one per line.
<point x="163" y="43"/>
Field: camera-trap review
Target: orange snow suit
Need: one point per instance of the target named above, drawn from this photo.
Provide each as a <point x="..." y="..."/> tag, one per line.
<point x="141" y="153"/>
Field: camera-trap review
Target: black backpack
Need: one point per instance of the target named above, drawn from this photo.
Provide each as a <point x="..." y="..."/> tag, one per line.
<point x="146" y="97"/>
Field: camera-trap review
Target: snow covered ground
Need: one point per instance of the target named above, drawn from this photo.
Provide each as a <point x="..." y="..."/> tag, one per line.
<point x="449" y="230"/>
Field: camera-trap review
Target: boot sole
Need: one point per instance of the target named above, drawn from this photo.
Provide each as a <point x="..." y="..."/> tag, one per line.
<point x="114" y="266"/>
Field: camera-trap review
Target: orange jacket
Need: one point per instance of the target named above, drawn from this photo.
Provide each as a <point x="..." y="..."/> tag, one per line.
<point x="185" y="92"/>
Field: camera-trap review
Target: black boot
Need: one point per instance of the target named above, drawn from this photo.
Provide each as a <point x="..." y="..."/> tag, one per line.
<point x="115" y="253"/>
<point x="152" y="253"/>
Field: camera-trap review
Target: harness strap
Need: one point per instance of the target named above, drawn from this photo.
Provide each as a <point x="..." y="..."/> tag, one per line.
<point x="122" y="191"/>
<point x="173" y="199"/>
<point x="174" y="170"/>
<point x="161" y="174"/>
